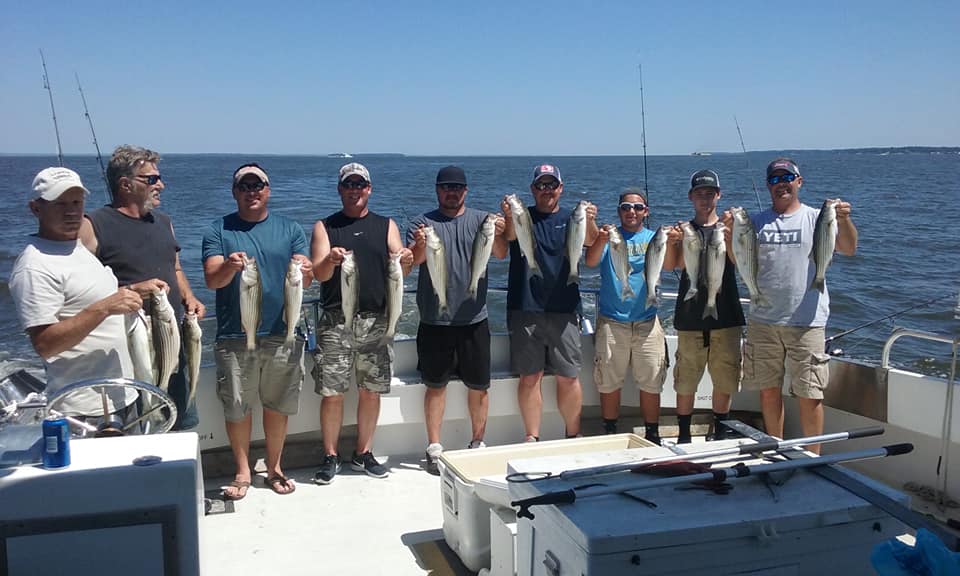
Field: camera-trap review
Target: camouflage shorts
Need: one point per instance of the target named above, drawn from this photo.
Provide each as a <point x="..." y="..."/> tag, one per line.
<point x="365" y="357"/>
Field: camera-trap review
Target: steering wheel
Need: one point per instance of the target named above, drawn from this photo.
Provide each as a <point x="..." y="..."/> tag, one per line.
<point x="157" y="411"/>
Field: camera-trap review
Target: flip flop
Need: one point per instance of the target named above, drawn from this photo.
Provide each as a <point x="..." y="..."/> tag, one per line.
<point x="275" y="482"/>
<point x="241" y="486"/>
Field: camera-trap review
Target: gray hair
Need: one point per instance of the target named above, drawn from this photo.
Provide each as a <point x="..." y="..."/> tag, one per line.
<point x="124" y="162"/>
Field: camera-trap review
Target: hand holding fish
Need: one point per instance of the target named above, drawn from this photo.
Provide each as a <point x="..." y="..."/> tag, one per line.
<point x="406" y="258"/>
<point x="675" y="234"/>
<point x="419" y="237"/>
<point x="843" y="209"/>
<point x="591" y="211"/>
<point x="500" y="224"/>
<point x="192" y="305"/>
<point x="603" y="235"/>
<point x="337" y="255"/>
<point x="234" y="261"/>
<point x="123" y="301"/>
<point x="148" y="287"/>
<point x="306" y="267"/>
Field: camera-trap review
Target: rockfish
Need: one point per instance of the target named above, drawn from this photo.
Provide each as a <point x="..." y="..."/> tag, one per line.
<point x="824" y="242"/>
<point x="523" y="228"/>
<point x="716" y="261"/>
<point x="437" y="266"/>
<point x="166" y="339"/>
<point x="576" y="234"/>
<point x="692" y="245"/>
<point x="138" y="342"/>
<point x="192" y="346"/>
<point x="349" y="293"/>
<point x="653" y="264"/>
<point x="251" y="293"/>
<point x="745" y="252"/>
<point x="394" y="294"/>
<point x="482" y="248"/>
<point x="620" y="256"/>
<point x="292" y="298"/>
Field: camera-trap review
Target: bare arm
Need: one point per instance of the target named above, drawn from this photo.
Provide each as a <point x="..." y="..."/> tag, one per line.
<point x="501" y="242"/>
<point x="595" y="250"/>
<point x="52" y="339"/>
<point x="87" y="236"/>
<point x="395" y="244"/>
<point x="674" y="257"/>
<point x="847" y="234"/>
<point x="419" y="246"/>
<point x="218" y="271"/>
<point x="324" y="261"/>
<point x="592" y="230"/>
<point x="727" y="219"/>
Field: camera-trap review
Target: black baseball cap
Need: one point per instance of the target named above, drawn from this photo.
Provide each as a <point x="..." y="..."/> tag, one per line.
<point x="704" y="179"/>
<point x="451" y="175"/>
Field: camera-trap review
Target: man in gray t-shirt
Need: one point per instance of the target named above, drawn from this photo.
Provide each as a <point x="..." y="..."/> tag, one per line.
<point x="785" y="334"/>
<point x="453" y="338"/>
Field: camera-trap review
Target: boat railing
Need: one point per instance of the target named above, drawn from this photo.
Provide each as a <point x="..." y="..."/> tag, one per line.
<point x="899" y="333"/>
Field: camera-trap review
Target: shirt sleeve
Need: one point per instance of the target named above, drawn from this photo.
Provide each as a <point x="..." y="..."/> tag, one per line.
<point x="38" y="297"/>
<point x="212" y="244"/>
<point x="299" y="244"/>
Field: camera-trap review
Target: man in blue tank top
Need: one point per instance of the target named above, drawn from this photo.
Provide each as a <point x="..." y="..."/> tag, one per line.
<point x="353" y="348"/>
<point x="542" y="305"/>
<point x="254" y="245"/>
<point x="137" y="242"/>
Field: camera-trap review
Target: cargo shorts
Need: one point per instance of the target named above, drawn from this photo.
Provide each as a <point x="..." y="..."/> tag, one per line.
<point x="639" y="346"/>
<point x="771" y="350"/>
<point x="721" y="358"/>
<point x="273" y="372"/>
<point x="364" y="356"/>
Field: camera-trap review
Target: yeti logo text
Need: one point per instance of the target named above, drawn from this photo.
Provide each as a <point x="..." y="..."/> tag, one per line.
<point x="781" y="237"/>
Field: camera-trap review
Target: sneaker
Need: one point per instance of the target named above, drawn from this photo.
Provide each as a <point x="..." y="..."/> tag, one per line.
<point x="476" y="444"/>
<point x="532" y="438"/>
<point x="433" y="458"/>
<point x="328" y="469"/>
<point x="367" y="463"/>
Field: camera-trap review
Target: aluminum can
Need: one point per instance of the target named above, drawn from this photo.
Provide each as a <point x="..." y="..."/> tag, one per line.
<point x="56" y="442"/>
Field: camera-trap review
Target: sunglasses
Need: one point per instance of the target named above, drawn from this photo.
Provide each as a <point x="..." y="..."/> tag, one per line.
<point x="782" y="178"/>
<point x="354" y="184"/>
<point x="452" y="187"/>
<point x="637" y="207"/>
<point x="150" y="179"/>
<point x="250" y="186"/>
<point x="541" y="186"/>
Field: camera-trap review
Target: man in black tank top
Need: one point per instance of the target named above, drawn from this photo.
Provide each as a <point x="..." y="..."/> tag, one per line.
<point x="139" y="245"/>
<point x="354" y="346"/>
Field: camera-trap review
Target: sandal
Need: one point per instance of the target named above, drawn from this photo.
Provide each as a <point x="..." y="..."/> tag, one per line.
<point x="241" y="487"/>
<point x="281" y="484"/>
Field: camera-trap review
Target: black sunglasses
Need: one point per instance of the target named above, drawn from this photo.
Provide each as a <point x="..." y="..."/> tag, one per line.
<point x="354" y="184"/>
<point x="636" y="206"/>
<point x="541" y="186"/>
<point x="250" y="186"/>
<point x="452" y="187"/>
<point x="782" y="178"/>
<point x="150" y="179"/>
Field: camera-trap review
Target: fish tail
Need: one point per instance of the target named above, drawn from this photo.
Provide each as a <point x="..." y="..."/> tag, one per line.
<point x="691" y="294"/>
<point x="251" y="341"/>
<point x="818" y="283"/>
<point x="710" y="311"/>
<point x="573" y="278"/>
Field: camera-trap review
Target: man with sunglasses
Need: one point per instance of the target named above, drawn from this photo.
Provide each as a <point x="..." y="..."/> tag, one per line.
<point x="138" y="243"/>
<point x="786" y="335"/>
<point x="629" y="334"/>
<point x="455" y="342"/>
<point x="273" y="372"/>
<point x="362" y="353"/>
<point x="542" y="310"/>
<point x="704" y="341"/>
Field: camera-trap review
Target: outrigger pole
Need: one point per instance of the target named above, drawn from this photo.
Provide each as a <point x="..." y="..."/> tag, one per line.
<point x="86" y="113"/>
<point x="56" y="128"/>
<point x="744" y="148"/>
<point x="643" y="134"/>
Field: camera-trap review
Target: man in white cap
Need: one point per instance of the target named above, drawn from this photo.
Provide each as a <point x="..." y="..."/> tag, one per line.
<point x="68" y="302"/>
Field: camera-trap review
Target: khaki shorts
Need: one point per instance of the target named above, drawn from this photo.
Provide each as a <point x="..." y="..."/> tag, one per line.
<point x="640" y="346"/>
<point x="273" y="372"/>
<point x="722" y="358"/>
<point x="770" y="349"/>
<point x="366" y="358"/>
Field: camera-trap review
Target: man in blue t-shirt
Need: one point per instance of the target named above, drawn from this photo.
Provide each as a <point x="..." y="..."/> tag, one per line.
<point x="629" y="335"/>
<point x="542" y="305"/>
<point x="273" y="371"/>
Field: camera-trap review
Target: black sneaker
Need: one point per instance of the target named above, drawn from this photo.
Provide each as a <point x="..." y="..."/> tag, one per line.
<point x="328" y="469"/>
<point x="367" y="463"/>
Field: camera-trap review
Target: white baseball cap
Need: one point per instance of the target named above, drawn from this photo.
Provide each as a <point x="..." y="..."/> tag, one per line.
<point x="50" y="183"/>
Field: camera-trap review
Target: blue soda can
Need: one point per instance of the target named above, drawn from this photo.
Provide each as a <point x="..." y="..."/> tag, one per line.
<point x="56" y="442"/>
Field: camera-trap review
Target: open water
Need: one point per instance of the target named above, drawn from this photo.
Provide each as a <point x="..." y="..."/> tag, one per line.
<point x="905" y="206"/>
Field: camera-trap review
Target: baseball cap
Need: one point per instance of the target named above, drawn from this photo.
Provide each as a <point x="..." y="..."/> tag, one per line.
<point x="50" y="183"/>
<point x="451" y="175"/>
<point x="704" y="179"/>
<point x="783" y="164"/>
<point x="633" y="190"/>
<point x="248" y="170"/>
<point x="354" y="168"/>
<point x="546" y="170"/>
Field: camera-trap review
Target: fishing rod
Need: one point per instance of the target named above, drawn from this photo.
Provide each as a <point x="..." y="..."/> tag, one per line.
<point x="887" y="317"/>
<point x="643" y="134"/>
<point x="86" y="113"/>
<point x="717" y="475"/>
<point x="744" y="148"/>
<point x="56" y="128"/>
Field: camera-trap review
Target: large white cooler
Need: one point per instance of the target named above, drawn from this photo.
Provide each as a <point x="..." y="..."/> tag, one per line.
<point x="808" y="525"/>
<point x="474" y="481"/>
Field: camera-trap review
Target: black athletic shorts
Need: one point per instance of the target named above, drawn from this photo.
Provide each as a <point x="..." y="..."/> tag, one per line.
<point x="445" y="352"/>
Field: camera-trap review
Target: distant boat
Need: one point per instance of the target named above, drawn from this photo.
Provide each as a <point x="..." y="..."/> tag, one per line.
<point x="340" y="155"/>
<point x="701" y="154"/>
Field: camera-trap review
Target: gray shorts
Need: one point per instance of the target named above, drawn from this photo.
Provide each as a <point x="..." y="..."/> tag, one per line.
<point x="544" y="341"/>
<point x="273" y="371"/>
<point x="366" y="357"/>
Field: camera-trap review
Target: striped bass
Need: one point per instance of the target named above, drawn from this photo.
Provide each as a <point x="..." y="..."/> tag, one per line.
<point x="192" y="338"/>
<point x="292" y="298"/>
<point x="138" y="342"/>
<point x="576" y="235"/>
<point x="620" y="256"/>
<point x="653" y="264"/>
<point x="692" y="248"/>
<point x="394" y="294"/>
<point x="745" y="252"/>
<point x="716" y="262"/>
<point x="437" y="266"/>
<point x="251" y="294"/>
<point x="482" y="248"/>
<point x="349" y="291"/>
<point x="166" y="339"/>
<point x="824" y="242"/>
<point x="523" y="228"/>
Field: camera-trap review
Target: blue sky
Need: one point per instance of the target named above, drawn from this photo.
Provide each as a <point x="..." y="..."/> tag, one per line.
<point x="461" y="78"/>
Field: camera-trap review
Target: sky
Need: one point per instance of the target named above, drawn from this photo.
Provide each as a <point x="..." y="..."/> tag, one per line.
<point x="480" y="78"/>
